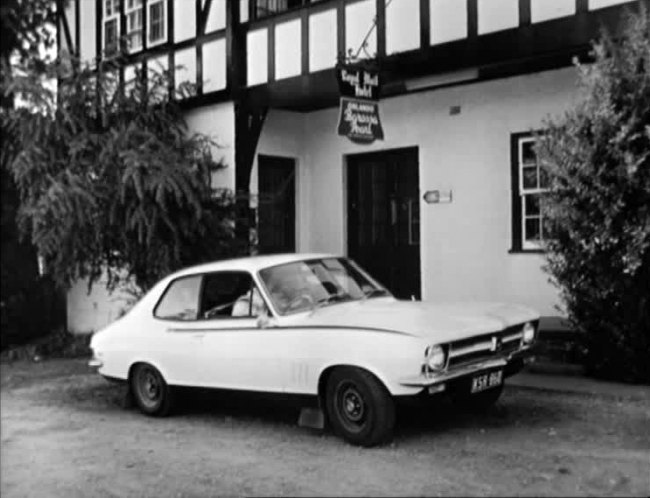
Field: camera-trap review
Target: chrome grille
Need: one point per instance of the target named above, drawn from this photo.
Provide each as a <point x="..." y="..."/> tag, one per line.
<point x="481" y="347"/>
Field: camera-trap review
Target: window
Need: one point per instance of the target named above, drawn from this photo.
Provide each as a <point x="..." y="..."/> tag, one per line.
<point x="133" y="12"/>
<point x="265" y="8"/>
<point x="157" y="22"/>
<point x="181" y="299"/>
<point x="529" y="182"/>
<point x="231" y="294"/>
<point x="111" y="26"/>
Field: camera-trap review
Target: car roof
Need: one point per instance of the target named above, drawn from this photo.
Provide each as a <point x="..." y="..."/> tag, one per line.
<point x="251" y="263"/>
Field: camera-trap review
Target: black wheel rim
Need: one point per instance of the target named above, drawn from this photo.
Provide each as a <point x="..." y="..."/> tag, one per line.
<point x="149" y="386"/>
<point x="351" y="407"/>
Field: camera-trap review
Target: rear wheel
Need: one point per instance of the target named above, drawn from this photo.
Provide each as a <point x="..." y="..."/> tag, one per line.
<point x="478" y="402"/>
<point x="359" y="408"/>
<point x="150" y="391"/>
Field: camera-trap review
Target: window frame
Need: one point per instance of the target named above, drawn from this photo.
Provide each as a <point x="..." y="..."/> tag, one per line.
<point x="133" y="10"/>
<point x="113" y="17"/>
<point x="518" y="192"/>
<point x="149" y="24"/>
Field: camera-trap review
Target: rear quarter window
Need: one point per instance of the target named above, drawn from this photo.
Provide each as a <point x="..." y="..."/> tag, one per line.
<point x="181" y="299"/>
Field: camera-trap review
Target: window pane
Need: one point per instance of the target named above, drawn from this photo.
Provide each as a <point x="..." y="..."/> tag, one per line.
<point x="528" y="155"/>
<point x="110" y="36"/>
<point x="546" y="228"/>
<point x="529" y="177"/>
<point x="532" y="229"/>
<point x="228" y="294"/>
<point x="531" y="204"/>
<point x="544" y="181"/>
<point x="156" y="21"/>
<point x="181" y="300"/>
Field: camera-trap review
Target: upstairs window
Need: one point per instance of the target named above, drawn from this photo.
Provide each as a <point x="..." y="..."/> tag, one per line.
<point x="111" y="25"/>
<point x="133" y="12"/>
<point x="529" y="183"/>
<point x="157" y="22"/>
<point x="265" y="8"/>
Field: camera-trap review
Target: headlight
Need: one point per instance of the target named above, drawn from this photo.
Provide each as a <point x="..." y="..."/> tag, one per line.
<point x="529" y="333"/>
<point x="435" y="357"/>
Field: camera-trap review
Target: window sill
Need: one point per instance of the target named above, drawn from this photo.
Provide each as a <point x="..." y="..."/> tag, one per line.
<point x="526" y="251"/>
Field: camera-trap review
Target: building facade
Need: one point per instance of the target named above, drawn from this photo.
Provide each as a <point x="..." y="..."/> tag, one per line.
<point x="446" y="206"/>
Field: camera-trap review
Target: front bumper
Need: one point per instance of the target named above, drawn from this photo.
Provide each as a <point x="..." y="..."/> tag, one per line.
<point x="510" y="364"/>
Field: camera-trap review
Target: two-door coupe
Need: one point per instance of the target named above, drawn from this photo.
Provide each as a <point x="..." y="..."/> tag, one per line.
<point x="316" y="325"/>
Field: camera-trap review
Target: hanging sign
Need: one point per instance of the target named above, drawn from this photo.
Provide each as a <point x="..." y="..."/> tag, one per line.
<point x="359" y="120"/>
<point x="358" y="83"/>
<point x="359" y="107"/>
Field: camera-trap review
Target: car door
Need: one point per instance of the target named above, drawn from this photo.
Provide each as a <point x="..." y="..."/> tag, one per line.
<point x="235" y="353"/>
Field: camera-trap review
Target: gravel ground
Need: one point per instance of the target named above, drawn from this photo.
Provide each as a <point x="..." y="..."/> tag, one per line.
<point x="63" y="433"/>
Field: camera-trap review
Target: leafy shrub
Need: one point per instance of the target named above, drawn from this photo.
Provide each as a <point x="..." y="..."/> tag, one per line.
<point x="598" y="207"/>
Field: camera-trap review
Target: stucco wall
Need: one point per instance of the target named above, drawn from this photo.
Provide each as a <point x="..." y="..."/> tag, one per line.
<point x="88" y="312"/>
<point x="465" y="243"/>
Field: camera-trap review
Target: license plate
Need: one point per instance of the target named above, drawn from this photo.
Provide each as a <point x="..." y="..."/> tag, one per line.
<point x="487" y="381"/>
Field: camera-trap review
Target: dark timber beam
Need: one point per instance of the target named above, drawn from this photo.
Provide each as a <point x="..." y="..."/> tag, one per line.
<point x="249" y="121"/>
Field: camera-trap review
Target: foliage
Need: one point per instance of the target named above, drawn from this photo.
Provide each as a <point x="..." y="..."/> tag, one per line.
<point x="26" y="32"/>
<point x="56" y="344"/>
<point x="111" y="182"/>
<point x="598" y="208"/>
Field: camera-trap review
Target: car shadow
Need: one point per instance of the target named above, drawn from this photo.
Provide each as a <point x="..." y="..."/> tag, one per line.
<point x="430" y="417"/>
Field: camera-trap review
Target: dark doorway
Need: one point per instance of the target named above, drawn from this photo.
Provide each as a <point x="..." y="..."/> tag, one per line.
<point x="277" y="204"/>
<point x="384" y="218"/>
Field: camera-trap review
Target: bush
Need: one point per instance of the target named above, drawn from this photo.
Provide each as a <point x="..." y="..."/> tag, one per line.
<point x="598" y="208"/>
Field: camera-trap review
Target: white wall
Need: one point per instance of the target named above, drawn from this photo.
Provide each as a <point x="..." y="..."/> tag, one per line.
<point x="218" y="122"/>
<point x="89" y="312"/>
<point x="465" y="244"/>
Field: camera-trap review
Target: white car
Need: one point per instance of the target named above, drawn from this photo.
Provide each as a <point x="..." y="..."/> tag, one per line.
<point x="316" y="325"/>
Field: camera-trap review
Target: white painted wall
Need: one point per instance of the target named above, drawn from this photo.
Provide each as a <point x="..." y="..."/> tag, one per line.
<point x="218" y="122"/>
<point x="90" y="312"/>
<point x="465" y="244"/>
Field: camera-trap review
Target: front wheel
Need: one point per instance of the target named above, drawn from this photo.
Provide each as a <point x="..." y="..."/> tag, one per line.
<point x="359" y="407"/>
<point x="478" y="402"/>
<point x="150" y="391"/>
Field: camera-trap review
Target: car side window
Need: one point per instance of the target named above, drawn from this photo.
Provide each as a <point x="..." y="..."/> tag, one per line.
<point x="230" y="294"/>
<point x="181" y="299"/>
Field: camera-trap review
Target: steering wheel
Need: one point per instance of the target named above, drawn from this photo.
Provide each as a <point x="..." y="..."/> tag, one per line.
<point x="300" y="299"/>
<point x="217" y="309"/>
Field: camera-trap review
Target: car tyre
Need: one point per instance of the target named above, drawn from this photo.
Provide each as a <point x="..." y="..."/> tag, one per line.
<point x="150" y="391"/>
<point x="359" y="407"/>
<point x="478" y="402"/>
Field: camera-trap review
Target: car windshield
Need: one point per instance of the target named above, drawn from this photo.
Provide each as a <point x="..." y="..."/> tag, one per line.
<point x="305" y="285"/>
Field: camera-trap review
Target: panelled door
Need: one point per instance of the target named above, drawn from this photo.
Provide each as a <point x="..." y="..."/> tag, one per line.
<point x="277" y="204"/>
<point x="384" y="218"/>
